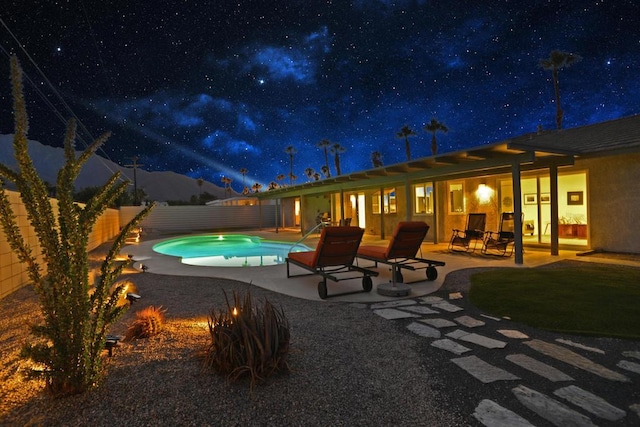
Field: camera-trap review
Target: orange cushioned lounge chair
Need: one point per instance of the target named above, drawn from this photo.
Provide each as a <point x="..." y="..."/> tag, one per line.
<point x="402" y="251"/>
<point x="333" y="259"/>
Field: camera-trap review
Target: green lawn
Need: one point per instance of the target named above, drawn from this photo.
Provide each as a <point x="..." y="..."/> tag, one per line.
<point x="590" y="299"/>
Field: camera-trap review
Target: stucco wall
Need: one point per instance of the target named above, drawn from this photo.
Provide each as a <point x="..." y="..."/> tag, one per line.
<point x="614" y="202"/>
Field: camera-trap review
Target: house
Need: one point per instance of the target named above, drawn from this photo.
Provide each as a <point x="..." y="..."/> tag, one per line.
<point x="575" y="188"/>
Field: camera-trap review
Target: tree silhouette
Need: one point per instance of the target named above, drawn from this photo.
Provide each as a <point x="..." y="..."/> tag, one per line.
<point x="279" y="178"/>
<point x="434" y="126"/>
<point x="290" y="150"/>
<point x="243" y="171"/>
<point x="273" y="186"/>
<point x="200" y="182"/>
<point x="309" y="173"/>
<point x="325" y="144"/>
<point x="256" y="187"/>
<point x="336" y="150"/>
<point x="376" y="159"/>
<point x="325" y="171"/>
<point x="558" y="59"/>
<point x="405" y="133"/>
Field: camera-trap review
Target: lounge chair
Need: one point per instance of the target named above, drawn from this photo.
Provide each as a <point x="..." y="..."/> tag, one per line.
<point x="402" y="251"/>
<point x="333" y="259"/>
<point x="499" y="242"/>
<point x="473" y="234"/>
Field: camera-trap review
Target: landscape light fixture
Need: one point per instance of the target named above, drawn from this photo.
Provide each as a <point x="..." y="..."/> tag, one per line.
<point x="111" y="341"/>
<point x="131" y="297"/>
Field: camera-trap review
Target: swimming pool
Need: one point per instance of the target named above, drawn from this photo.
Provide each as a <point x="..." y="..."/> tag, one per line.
<point x="227" y="250"/>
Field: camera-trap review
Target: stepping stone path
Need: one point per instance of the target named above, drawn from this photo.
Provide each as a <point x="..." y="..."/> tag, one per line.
<point x="495" y="356"/>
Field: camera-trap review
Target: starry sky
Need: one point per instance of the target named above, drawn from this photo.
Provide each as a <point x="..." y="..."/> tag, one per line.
<point x="207" y="88"/>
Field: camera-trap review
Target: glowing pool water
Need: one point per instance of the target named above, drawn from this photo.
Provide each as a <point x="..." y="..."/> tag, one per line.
<point x="229" y="250"/>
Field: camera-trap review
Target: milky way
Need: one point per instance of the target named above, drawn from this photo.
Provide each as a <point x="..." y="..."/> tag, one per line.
<point x="208" y="88"/>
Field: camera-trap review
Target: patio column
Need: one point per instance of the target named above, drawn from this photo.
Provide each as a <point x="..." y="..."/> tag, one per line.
<point x="517" y="210"/>
<point x="553" y="183"/>
<point x="382" y="212"/>
<point x="408" y="199"/>
<point x="341" y="204"/>
<point x="276" y="214"/>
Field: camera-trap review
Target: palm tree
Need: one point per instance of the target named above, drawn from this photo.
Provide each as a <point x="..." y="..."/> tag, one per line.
<point x="336" y="150"/>
<point x="376" y="159"/>
<point x="292" y="178"/>
<point x="279" y="178"/>
<point x="316" y="176"/>
<point x="200" y="182"/>
<point x="256" y="187"/>
<point x="434" y="126"/>
<point x="405" y="133"/>
<point x="272" y="186"/>
<point x="245" y="191"/>
<point x="309" y="173"/>
<point x="290" y="150"/>
<point x="325" y="144"/>
<point x="325" y="171"/>
<point x="243" y="171"/>
<point x="227" y="184"/>
<point x="557" y="60"/>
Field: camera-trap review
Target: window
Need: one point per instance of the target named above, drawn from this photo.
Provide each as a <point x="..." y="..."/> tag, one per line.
<point x="389" y="201"/>
<point x="423" y="198"/>
<point x="456" y="198"/>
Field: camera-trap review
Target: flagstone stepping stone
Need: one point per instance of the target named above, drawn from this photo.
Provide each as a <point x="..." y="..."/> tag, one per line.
<point x="497" y="319"/>
<point x="392" y="314"/>
<point x="537" y="367"/>
<point x="358" y="305"/>
<point x="423" y="330"/>
<point x="550" y="409"/>
<point x="438" y="323"/>
<point x="511" y="333"/>
<point x="591" y="403"/>
<point x="447" y="306"/>
<point x="455" y="295"/>
<point x="431" y="300"/>
<point x="451" y="346"/>
<point x="578" y="345"/>
<point x="634" y="354"/>
<point x="482" y="370"/>
<point x="635" y="408"/>
<point x="420" y="309"/>
<point x="478" y="339"/>
<point x="491" y="414"/>
<point x="391" y="304"/>
<point x="574" y="359"/>
<point x="469" y="321"/>
<point x="629" y="366"/>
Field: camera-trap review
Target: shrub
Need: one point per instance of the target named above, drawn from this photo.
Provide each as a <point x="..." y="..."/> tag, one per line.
<point x="247" y="340"/>
<point x="76" y="314"/>
<point x="148" y="322"/>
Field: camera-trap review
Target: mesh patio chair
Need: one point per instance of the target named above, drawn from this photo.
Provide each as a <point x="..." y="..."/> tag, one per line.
<point x="467" y="240"/>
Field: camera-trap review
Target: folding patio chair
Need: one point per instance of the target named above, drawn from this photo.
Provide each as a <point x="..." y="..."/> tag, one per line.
<point x="498" y="242"/>
<point x="402" y="251"/>
<point x="469" y="237"/>
<point x="333" y="259"/>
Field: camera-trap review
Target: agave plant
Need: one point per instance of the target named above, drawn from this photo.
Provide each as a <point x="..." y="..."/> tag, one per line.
<point x="248" y="340"/>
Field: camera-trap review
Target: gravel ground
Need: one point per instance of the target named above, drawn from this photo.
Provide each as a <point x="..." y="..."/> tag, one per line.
<point x="349" y="367"/>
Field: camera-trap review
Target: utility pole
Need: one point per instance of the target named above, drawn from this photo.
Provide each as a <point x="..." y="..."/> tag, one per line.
<point x="135" y="166"/>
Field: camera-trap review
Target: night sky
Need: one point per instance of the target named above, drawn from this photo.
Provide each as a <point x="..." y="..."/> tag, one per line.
<point x="206" y="88"/>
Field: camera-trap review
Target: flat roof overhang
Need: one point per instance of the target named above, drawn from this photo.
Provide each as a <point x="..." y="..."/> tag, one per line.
<point x="487" y="160"/>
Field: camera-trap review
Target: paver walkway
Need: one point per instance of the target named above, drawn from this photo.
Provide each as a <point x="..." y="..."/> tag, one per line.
<point x="495" y="355"/>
